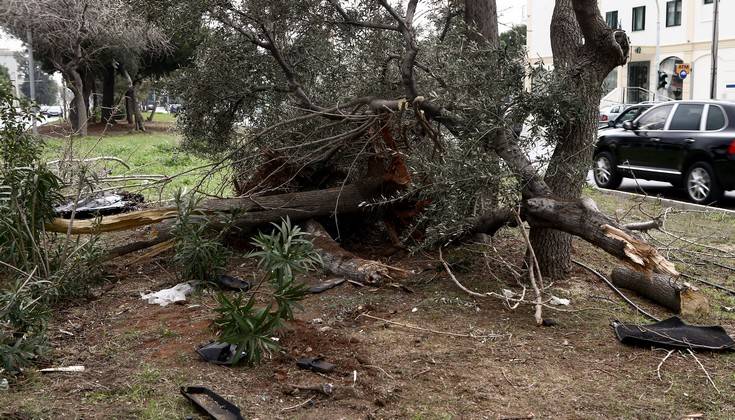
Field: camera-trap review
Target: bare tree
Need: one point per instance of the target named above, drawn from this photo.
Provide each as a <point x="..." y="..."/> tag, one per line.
<point x="76" y="35"/>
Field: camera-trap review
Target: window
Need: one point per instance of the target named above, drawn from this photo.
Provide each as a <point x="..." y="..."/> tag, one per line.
<point x="709" y="1"/>
<point x="715" y="118"/>
<point x="673" y="13"/>
<point x="639" y="18"/>
<point x="612" y="19"/>
<point x="655" y="119"/>
<point x="687" y="117"/>
<point x="628" y="115"/>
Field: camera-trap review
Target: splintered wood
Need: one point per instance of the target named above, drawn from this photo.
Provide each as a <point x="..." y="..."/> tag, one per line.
<point x="640" y="254"/>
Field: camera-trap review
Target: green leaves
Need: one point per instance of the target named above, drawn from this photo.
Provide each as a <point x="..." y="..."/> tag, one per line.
<point x="283" y="254"/>
<point x="199" y="252"/>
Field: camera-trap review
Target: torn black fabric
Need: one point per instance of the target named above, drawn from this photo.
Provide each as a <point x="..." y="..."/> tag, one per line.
<point x="674" y="333"/>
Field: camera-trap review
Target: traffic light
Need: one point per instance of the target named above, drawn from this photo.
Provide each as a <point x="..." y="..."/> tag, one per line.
<point x="662" y="80"/>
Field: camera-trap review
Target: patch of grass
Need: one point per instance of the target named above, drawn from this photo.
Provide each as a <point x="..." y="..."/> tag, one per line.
<point x="153" y="153"/>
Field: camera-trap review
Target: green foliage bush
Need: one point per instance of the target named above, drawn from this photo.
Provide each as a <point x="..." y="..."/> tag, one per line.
<point x="37" y="269"/>
<point x="199" y="251"/>
<point x="283" y="255"/>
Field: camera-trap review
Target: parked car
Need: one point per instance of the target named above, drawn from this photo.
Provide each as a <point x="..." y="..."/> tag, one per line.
<point x="687" y="143"/>
<point x="630" y="113"/>
<point x="51" y="111"/>
<point x="610" y="113"/>
<point x="174" y="108"/>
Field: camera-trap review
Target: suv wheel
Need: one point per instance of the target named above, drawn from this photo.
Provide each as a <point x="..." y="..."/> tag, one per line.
<point x="701" y="184"/>
<point x="606" y="176"/>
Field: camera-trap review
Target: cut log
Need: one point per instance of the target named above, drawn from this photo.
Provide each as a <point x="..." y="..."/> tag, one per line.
<point x="679" y="297"/>
<point x="343" y="263"/>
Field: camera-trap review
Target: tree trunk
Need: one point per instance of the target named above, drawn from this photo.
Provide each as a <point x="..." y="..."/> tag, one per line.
<point x="88" y="91"/>
<point x="153" y="111"/>
<point x="131" y="103"/>
<point x="108" y="95"/>
<point x="582" y="70"/>
<point x="80" y="107"/>
<point x="679" y="297"/>
<point x="483" y="17"/>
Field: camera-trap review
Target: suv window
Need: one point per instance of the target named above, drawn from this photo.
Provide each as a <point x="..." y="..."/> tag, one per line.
<point x="628" y="115"/>
<point x="715" y="118"/>
<point x="687" y="117"/>
<point x="655" y="119"/>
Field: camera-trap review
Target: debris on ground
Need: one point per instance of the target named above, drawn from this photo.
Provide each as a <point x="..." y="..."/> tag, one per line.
<point x="326" y="285"/>
<point x="674" y="333"/>
<point x="559" y="301"/>
<point x="316" y="364"/>
<point x="4" y="385"/>
<point x="218" y="353"/>
<point x="102" y="204"/>
<point x="211" y="403"/>
<point x="232" y="283"/>
<point x="174" y="294"/>
<point x="76" y="368"/>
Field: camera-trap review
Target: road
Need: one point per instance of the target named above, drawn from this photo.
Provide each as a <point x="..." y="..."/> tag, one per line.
<point x="663" y="189"/>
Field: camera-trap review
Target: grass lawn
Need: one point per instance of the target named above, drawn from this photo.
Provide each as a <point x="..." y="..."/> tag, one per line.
<point x="152" y="153"/>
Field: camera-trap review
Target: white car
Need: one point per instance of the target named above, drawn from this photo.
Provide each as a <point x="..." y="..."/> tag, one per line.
<point x="610" y="113"/>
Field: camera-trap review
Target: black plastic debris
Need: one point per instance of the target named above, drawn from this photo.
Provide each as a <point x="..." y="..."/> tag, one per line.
<point x="101" y="204"/>
<point x="674" y="333"/>
<point x="232" y="283"/>
<point x="211" y="403"/>
<point x="326" y="285"/>
<point x="316" y="364"/>
<point x="218" y="353"/>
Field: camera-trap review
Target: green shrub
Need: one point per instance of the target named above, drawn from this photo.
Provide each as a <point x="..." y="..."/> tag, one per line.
<point x="199" y="250"/>
<point x="283" y="255"/>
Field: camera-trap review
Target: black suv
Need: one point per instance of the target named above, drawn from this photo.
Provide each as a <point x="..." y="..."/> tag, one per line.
<point x="687" y="143"/>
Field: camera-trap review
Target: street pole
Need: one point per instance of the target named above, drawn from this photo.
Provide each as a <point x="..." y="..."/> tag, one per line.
<point x="715" y="41"/>
<point x="32" y="73"/>
<point x="658" y="51"/>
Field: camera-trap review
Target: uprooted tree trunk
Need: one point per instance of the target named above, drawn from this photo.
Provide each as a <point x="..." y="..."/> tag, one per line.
<point x="680" y="297"/>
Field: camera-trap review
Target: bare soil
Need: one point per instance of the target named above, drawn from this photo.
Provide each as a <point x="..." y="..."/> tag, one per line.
<point x="466" y="357"/>
<point x="498" y="364"/>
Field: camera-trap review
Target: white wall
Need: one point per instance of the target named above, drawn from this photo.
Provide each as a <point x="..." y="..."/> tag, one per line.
<point x="7" y="59"/>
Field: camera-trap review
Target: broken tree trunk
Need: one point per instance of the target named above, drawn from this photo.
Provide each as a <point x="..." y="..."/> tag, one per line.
<point x="252" y="211"/>
<point x="680" y="297"/>
<point x="341" y="262"/>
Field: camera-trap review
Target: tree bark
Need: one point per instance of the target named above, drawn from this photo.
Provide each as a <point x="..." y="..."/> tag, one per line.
<point x="132" y="106"/>
<point x="108" y="94"/>
<point x="79" y="123"/>
<point x="341" y="262"/>
<point x="482" y="16"/>
<point x="582" y="67"/>
<point x="679" y="297"/>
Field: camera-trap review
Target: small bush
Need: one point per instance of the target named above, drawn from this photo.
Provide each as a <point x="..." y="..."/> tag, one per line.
<point x="283" y="254"/>
<point x="199" y="251"/>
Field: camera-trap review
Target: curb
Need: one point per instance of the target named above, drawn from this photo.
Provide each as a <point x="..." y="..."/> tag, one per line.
<point x="666" y="202"/>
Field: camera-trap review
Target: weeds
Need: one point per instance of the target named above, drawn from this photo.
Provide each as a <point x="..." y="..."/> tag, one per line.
<point x="283" y="254"/>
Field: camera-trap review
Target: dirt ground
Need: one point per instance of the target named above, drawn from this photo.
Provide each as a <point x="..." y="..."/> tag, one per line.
<point x="480" y="359"/>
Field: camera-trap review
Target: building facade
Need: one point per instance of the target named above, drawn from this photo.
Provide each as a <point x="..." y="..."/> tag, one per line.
<point x="684" y="30"/>
<point x="7" y="59"/>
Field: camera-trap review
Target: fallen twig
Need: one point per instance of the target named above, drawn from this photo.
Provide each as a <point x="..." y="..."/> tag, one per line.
<point x="531" y="276"/>
<point x="704" y="370"/>
<point x="709" y="283"/>
<point x="413" y="327"/>
<point x="298" y="405"/>
<point x="658" y="369"/>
